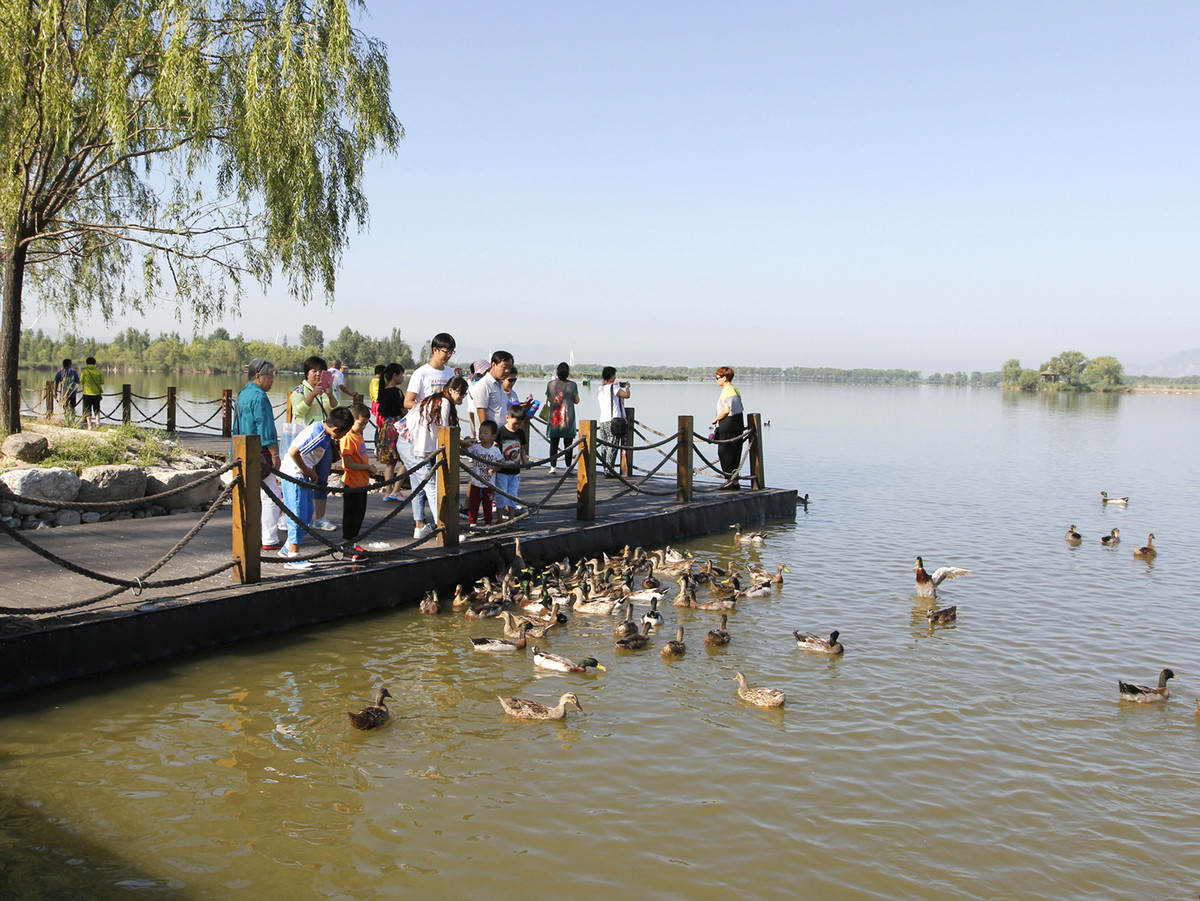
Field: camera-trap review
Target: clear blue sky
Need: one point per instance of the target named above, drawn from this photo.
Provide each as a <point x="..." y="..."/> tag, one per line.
<point x="920" y="185"/>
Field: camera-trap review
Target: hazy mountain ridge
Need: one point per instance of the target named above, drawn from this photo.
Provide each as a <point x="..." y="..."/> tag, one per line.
<point x="1184" y="363"/>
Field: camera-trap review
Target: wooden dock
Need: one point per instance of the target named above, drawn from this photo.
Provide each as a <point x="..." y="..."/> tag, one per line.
<point x="39" y="650"/>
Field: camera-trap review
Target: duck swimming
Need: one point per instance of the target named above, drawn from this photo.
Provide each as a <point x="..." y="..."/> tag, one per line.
<point x="501" y="645"/>
<point x="1144" y="695"/>
<point x="561" y="664"/>
<point x="940" y="617"/>
<point x="760" y="697"/>
<point x="718" y="637"/>
<point x="524" y="709"/>
<point x="675" y="647"/>
<point x="1105" y="499"/>
<point x="1072" y="535"/>
<point x="1149" y="550"/>
<point x="747" y="537"/>
<point x="370" y="717"/>
<point x="810" y="642"/>
<point x="927" y="584"/>
<point x="636" y="642"/>
<point x="1112" y="539"/>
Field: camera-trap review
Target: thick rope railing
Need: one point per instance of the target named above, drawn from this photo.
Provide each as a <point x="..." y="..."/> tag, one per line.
<point x="631" y="487"/>
<point x="145" y="418"/>
<point x="725" y="480"/>
<point x="148" y="500"/>
<point x="139" y="583"/>
<point x="334" y="548"/>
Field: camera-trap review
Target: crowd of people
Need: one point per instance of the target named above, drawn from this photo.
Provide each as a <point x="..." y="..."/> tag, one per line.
<point x="406" y="419"/>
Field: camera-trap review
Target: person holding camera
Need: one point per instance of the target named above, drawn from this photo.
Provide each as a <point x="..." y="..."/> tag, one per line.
<point x="611" y="396"/>
<point x="312" y="401"/>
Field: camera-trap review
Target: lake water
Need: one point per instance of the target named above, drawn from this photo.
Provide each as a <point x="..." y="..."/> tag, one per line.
<point x="989" y="758"/>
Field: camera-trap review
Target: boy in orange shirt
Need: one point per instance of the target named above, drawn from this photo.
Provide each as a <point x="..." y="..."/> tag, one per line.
<point x="356" y="474"/>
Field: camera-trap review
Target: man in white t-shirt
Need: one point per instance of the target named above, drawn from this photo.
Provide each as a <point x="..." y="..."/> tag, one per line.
<point x="426" y="380"/>
<point x="488" y="398"/>
<point x="429" y="378"/>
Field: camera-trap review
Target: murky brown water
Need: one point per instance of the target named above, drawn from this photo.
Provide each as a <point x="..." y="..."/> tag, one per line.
<point x="989" y="758"/>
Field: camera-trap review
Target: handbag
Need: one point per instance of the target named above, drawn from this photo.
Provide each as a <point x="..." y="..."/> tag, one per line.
<point x="618" y="425"/>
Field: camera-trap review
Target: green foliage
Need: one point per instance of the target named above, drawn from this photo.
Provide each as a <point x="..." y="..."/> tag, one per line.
<point x="311" y="336"/>
<point x="120" y="444"/>
<point x="1104" y="374"/>
<point x="1029" y="379"/>
<point x="1068" y="366"/>
<point x="1010" y="375"/>
<point x="191" y="143"/>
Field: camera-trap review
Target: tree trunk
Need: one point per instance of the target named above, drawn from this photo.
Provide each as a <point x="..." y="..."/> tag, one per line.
<point x="10" y="335"/>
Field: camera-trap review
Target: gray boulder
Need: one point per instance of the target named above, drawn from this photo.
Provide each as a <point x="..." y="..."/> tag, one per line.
<point x="106" y="484"/>
<point x="67" y="518"/>
<point x="54" y="484"/>
<point x="165" y="478"/>
<point x="27" y="448"/>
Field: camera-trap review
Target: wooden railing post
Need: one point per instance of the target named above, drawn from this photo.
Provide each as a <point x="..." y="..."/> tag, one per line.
<point x="247" y="510"/>
<point x="683" y="461"/>
<point x="126" y="404"/>
<point x="358" y="398"/>
<point x="757" y="479"/>
<point x="49" y="400"/>
<point x="586" y="472"/>
<point x="227" y="413"/>
<point x="626" y="462"/>
<point x="171" y="409"/>
<point x="448" y="483"/>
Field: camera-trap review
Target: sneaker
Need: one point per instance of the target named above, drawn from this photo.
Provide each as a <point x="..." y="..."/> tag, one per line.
<point x="272" y="547"/>
<point x="553" y="470"/>
<point x="284" y="552"/>
<point x="298" y="564"/>
<point x="281" y="526"/>
<point x="358" y="555"/>
<point x="423" y="531"/>
<point x="324" y="525"/>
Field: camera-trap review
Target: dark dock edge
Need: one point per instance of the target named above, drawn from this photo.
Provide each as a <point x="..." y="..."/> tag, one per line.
<point x="157" y="632"/>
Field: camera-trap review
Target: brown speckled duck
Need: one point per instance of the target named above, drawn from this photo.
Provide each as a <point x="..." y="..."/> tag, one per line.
<point x="370" y="717"/>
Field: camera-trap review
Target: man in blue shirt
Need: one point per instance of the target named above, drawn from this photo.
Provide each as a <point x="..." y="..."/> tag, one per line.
<point x="66" y="386"/>
<point x="252" y="415"/>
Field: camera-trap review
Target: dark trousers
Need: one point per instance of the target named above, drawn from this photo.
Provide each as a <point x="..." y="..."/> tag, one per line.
<point x="568" y="454"/>
<point x="730" y="454"/>
<point x="354" y="511"/>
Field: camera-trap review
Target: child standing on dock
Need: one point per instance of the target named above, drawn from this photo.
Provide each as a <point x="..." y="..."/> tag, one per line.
<point x="486" y="455"/>
<point x="514" y="444"/>
<point x="356" y="473"/>
<point x="303" y="457"/>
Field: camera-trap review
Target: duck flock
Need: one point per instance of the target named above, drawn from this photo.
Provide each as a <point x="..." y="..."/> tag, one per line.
<point x="528" y="602"/>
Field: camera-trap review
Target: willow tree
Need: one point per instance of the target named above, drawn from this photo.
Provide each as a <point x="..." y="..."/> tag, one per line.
<point x="172" y="150"/>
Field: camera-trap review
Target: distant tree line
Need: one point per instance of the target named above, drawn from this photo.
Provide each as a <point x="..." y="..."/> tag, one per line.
<point x="136" y="351"/>
<point x="1069" y="371"/>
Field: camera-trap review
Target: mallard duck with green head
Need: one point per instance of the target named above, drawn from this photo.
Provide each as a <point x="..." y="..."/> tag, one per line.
<point x="809" y="642"/>
<point x="1112" y="539"/>
<point x="560" y="664"/>
<point x="1105" y="499"/>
